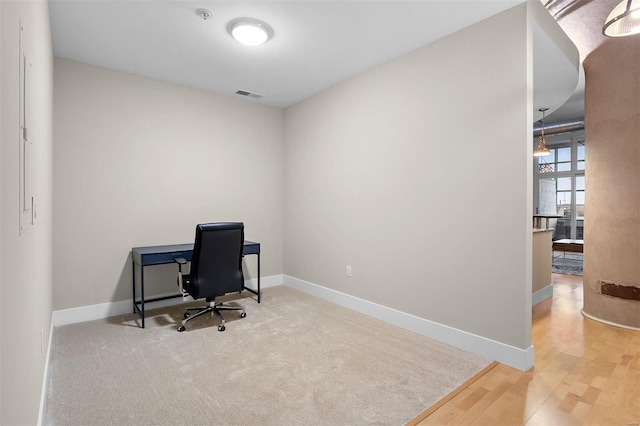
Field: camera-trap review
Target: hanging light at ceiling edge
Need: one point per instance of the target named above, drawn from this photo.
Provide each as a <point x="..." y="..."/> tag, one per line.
<point x="624" y="19"/>
<point x="542" y="149"/>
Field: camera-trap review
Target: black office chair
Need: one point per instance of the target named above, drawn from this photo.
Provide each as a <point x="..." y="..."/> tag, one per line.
<point x="216" y="269"/>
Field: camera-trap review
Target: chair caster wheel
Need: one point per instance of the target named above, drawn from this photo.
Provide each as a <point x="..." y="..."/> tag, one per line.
<point x="242" y="315"/>
<point x="186" y="315"/>
<point x="181" y="328"/>
<point x="221" y="328"/>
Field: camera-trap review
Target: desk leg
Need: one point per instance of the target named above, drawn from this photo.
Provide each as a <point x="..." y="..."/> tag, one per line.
<point x="135" y="307"/>
<point x="142" y="294"/>
<point x="133" y="279"/>
<point x="258" y="277"/>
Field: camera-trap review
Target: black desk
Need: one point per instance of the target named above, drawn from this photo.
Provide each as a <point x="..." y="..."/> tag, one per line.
<point x="160" y="255"/>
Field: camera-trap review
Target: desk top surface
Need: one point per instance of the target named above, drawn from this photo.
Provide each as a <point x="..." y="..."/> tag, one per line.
<point x="171" y="248"/>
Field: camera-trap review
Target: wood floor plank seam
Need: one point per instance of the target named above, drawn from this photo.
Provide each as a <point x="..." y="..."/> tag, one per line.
<point x="456" y="392"/>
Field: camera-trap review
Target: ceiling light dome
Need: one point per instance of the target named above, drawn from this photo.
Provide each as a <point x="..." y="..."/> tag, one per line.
<point x="249" y="31"/>
<point x="623" y="20"/>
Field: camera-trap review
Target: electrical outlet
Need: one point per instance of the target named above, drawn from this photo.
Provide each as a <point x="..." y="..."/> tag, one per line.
<point x="348" y="271"/>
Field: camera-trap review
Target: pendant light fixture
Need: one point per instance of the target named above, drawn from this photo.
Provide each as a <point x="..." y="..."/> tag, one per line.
<point x="624" y="19"/>
<point x="542" y="149"/>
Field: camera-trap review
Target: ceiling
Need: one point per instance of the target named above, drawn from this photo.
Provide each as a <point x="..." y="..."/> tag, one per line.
<point x="316" y="44"/>
<point x="582" y="21"/>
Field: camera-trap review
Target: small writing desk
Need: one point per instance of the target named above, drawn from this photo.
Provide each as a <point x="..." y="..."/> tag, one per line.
<point x="160" y="255"/>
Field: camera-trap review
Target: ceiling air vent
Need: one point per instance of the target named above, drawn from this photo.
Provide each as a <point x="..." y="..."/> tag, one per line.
<point x="249" y="94"/>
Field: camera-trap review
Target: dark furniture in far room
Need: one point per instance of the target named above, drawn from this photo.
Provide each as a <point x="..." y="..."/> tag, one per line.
<point x="144" y="257"/>
<point x="573" y="246"/>
<point x="216" y="269"/>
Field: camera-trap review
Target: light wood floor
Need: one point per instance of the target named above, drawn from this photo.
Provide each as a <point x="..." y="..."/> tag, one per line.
<point x="585" y="373"/>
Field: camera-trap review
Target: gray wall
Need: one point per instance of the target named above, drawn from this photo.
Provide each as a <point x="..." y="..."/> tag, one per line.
<point x="25" y="265"/>
<point x="140" y="162"/>
<point x="418" y="175"/>
<point x="400" y="173"/>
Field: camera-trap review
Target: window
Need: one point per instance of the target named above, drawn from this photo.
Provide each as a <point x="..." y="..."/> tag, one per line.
<point x="559" y="184"/>
<point x="581" y="155"/>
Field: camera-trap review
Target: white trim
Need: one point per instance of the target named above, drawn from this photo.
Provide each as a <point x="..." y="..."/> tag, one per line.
<point x="45" y="377"/>
<point x="109" y="309"/>
<point x="521" y="359"/>
<point x="615" y="324"/>
<point x="265" y="282"/>
<point x="92" y="312"/>
<point x="542" y="294"/>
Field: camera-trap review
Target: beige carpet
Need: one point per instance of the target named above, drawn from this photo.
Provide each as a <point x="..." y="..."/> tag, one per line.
<point x="295" y="359"/>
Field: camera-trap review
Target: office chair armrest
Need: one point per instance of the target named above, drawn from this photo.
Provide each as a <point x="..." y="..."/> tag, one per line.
<point x="180" y="261"/>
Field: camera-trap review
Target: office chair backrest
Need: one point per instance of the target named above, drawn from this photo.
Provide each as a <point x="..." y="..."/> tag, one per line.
<point x="216" y="265"/>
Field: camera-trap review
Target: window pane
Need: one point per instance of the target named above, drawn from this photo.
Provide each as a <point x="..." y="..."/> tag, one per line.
<point x="545" y="168"/>
<point x="544" y="159"/>
<point x="564" y="184"/>
<point x="580" y="165"/>
<point x="581" y="152"/>
<point x="564" y="167"/>
<point x="580" y="197"/>
<point x="580" y="183"/>
<point x="564" y="198"/>
<point x="547" y="196"/>
<point x="564" y="154"/>
<point x="551" y="158"/>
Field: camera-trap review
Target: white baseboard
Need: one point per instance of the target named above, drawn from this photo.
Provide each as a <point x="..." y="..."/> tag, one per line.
<point x="93" y="312"/>
<point x="265" y="282"/>
<point x="521" y="359"/>
<point x="110" y="309"/>
<point x="611" y="323"/>
<point x="542" y="294"/>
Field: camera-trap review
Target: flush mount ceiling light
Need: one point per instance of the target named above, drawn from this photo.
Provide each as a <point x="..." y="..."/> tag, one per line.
<point x="249" y="31"/>
<point x="542" y="149"/>
<point x="624" y="19"/>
